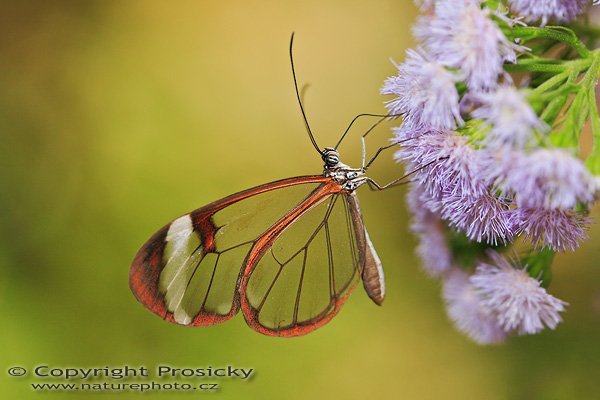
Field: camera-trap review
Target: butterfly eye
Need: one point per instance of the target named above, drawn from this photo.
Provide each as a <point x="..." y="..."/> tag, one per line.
<point x="331" y="158"/>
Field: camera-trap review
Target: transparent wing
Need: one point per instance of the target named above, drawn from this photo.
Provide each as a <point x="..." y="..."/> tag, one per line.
<point x="189" y="272"/>
<point x="299" y="277"/>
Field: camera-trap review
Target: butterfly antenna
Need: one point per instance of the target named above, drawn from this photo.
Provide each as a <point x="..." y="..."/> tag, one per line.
<point x="310" y="134"/>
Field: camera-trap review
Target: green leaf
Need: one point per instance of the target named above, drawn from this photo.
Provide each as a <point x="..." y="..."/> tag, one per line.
<point x="467" y="252"/>
<point x="539" y="265"/>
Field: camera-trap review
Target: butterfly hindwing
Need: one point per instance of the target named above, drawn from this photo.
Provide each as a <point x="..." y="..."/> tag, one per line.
<point x="288" y="253"/>
<point x="299" y="274"/>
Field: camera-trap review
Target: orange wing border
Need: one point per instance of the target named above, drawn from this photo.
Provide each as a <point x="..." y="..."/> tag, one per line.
<point x="148" y="263"/>
<point x="266" y="240"/>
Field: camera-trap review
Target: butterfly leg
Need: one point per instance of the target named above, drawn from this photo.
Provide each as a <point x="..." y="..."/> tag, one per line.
<point x="367" y="165"/>
<point x="396" y="182"/>
<point x="364" y="144"/>
<point x="389" y="146"/>
<point x="399" y="181"/>
<point x="382" y="116"/>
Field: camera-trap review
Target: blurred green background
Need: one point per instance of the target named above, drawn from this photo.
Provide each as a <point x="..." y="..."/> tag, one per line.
<point x="117" y="116"/>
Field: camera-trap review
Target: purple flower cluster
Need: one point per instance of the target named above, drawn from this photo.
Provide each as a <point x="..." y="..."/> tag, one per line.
<point x="509" y="116"/>
<point x="425" y="92"/>
<point x="483" y="166"/>
<point x="466" y="309"/>
<point x="476" y="46"/>
<point x="546" y="10"/>
<point x="498" y="300"/>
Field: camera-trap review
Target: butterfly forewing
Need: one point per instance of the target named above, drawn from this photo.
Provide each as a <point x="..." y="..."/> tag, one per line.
<point x="288" y="253"/>
<point x="189" y="271"/>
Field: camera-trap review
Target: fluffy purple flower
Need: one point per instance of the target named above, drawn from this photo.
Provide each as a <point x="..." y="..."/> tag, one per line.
<point x="516" y="299"/>
<point x="461" y="35"/>
<point x="453" y="174"/>
<point x="470" y="316"/>
<point x="549" y="178"/>
<point x="545" y="10"/>
<point x="445" y="163"/>
<point x="430" y="229"/>
<point x="510" y="117"/>
<point x="426" y="93"/>
<point x="560" y="230"/>
<point x="409" y="130"/>
<point x="482" y="218"/>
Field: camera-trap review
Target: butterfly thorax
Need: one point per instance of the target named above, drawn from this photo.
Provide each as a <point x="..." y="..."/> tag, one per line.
<point x="347" y="177"/>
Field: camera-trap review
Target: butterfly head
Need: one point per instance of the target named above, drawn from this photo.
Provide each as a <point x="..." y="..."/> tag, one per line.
<point x="331" y="158"/>
<point x="349" y="178"/>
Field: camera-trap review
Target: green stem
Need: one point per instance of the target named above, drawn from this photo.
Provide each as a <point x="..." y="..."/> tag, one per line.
<point x="539" y="60"/>
<point x="551" y="68"/>
<point x="552" y="110"/>
<point x="595" y="119"/>
<point x="564" y="90"/>
<point x="577" y="113"/>
<point x="593" y="161"/>
<point x="591" y="77"/>
<point x="550" y="83"/>
<point x="570" y="70"/>
<point x="590" y="81"/>
<point x="566" y="36"/>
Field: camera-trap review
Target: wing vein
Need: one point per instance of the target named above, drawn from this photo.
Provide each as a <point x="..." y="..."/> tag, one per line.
<point x="212" y="277"/>
<point x="330" y="262"/>
<point x="297" y="304"/>
<point x="187" y="285"/>
<point x="234" y="247"/>
<point x="262" y="302"/>
<point x="349" y="227"/>
<point x="182" y="267"/>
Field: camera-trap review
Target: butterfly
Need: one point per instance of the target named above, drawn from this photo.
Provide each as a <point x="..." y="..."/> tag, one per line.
<point x="287" y="253"/>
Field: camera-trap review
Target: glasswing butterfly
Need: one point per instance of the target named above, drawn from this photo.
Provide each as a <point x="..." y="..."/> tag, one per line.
<point x="287" y="253"/>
